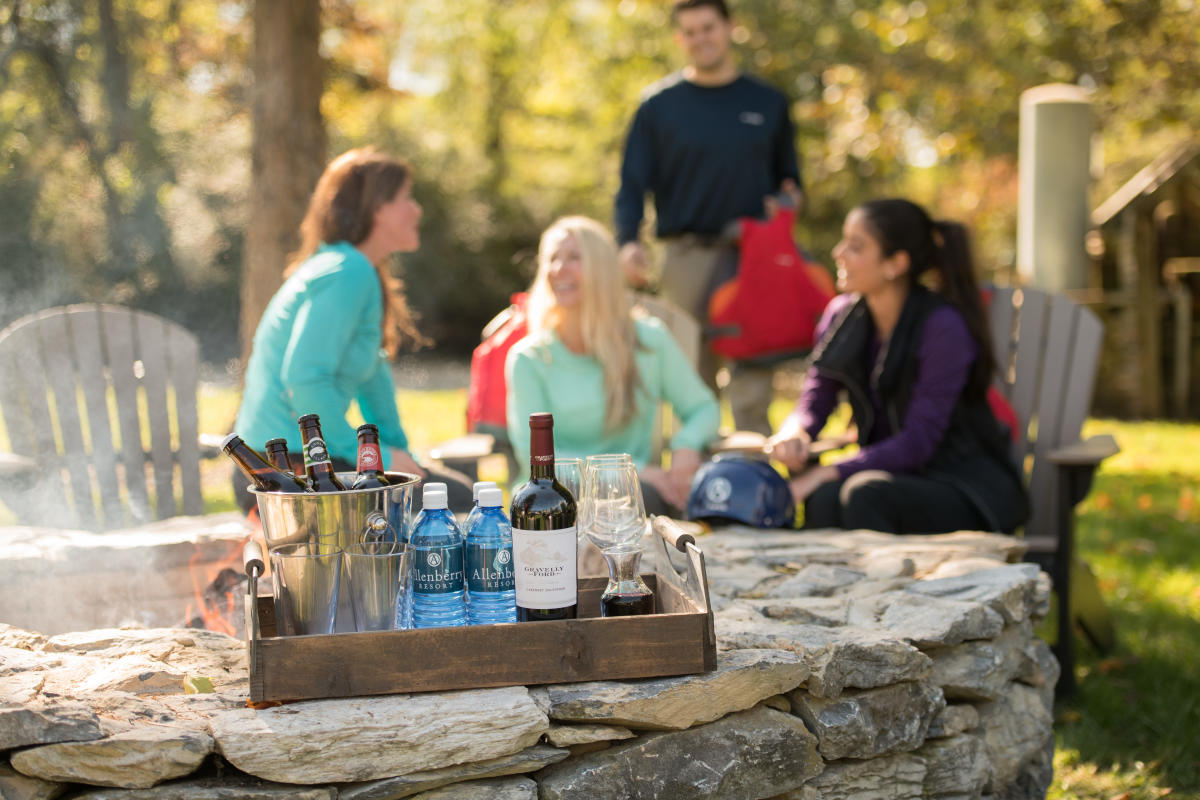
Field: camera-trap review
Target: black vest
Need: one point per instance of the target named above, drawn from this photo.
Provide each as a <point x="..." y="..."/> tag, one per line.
<point x="973" y="455"/>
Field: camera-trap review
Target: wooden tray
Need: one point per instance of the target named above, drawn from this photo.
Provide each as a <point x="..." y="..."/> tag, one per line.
<point x="678" y="639"/>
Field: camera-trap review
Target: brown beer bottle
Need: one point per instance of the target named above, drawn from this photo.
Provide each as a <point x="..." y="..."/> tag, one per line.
<point x="264" y="476"/>
<point x="370" y="460"/>
<point x="277" y="454"/>
<point x="318" y="467"/>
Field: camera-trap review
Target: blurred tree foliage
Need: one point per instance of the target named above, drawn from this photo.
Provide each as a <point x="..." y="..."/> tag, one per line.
<point x="124" y="126"/>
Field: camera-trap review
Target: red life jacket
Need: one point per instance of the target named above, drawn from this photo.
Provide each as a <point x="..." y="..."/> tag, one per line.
<point x="772" y="305"/>
<point x="487" y="395"/>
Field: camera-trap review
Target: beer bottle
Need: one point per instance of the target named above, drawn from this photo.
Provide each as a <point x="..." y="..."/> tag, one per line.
<point x="370" y="460"/>
<point x="277" y="454"/>
<point x="264" y="476"/>
<point x="318" y="467"/>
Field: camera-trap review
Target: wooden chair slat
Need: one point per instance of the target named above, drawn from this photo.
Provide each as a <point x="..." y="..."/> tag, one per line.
<point x="84" y="327"/>
<point x="47" y="492"/>
<point x="1043" y="487"/>
<point x="151" y="338"/>
<point x="119" y="344"/>
<point x="1001" y="317"/>
<point x="183" y="355"/>
<point x="1028" y="360"/>
<point x="1088" y="338"/>
<point x="13" y="397"/>
<point x="60" y="376"/>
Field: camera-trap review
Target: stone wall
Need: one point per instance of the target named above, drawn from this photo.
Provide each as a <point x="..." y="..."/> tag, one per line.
<point x="851" y="666"/>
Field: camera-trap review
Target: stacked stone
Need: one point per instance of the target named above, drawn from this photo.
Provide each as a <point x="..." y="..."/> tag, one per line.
<point x="851" y="665"/>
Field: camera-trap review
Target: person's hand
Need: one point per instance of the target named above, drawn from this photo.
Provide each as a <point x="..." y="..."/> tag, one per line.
<point x="657" y="478"/>
<point x="402" y="461"/>
<point x="684" y="463"/>
<point x="790" y="449"/>
<point x="810" y="480"/>
<point x="635" y="264"/>
<point x="794" y="193"/>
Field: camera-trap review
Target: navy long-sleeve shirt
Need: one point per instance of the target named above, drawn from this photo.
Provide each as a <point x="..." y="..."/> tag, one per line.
<point x="707" y="154"/>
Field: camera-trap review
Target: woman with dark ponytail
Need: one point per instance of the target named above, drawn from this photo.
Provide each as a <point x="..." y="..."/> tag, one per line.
<point x="915" y="364"/>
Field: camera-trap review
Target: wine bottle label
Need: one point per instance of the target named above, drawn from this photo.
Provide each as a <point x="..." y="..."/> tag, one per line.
<point x="438" y="570"/>
<point x="315" y="452"/>
<point x="489" y="569"/>
<point x="544" y="572"/>
<point x="369" y="458"/>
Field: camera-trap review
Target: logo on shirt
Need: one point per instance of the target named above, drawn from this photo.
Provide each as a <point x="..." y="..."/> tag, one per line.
<point x="752" y="118"/>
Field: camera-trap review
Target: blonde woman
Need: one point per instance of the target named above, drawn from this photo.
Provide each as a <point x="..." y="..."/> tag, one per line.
<point x="601" y="370"/>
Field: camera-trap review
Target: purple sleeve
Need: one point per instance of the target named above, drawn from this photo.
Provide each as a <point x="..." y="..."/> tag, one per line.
<point x="944" y="362"/>
<point x="819" y="396"/>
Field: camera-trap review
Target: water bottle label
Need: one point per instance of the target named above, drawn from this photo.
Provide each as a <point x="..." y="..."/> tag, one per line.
<point x="489" y="569"/>
<point x="544" y="568"/>
<point x="315" y="452"/>
<point x="438" y="570"/>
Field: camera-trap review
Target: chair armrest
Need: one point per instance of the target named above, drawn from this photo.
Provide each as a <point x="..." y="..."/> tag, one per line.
<point x="468" y="447"/>
<point x="1086" y="453"/>
<point x="752" y="443"/>
<point x="15" y="466"/>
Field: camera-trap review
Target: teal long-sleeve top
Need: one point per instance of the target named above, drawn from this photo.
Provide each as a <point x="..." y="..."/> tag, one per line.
<point x="544" y="375"/>
<point x="317" y="347"/>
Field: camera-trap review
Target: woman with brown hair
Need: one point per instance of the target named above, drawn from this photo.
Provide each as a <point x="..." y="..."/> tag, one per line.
<point x="328" y="334"/>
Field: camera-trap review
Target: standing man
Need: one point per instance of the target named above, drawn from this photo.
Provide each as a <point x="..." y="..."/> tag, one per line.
<point x="711" y="145"/>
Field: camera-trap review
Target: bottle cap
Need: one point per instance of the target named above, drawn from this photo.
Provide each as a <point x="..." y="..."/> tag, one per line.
<point x="228" y="441"/>
<point x="307" y="418"/>
<point x="433" y="495"/>
<point x="368" y="426"/>
<point x="491" y="497"/>
<point x="541" y="419"/>
<point x="481" y="485"/>
<point x="273" y="442"/>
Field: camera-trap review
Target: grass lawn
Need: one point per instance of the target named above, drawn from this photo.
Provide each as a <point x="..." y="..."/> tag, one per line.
<point x="1132" y="730"/>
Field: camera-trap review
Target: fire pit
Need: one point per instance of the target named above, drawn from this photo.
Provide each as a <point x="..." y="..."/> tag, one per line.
<point x="183" y="571"/>
<point x="850" y="664"/>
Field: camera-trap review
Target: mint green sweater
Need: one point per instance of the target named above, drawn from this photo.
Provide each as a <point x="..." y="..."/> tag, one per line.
<point x="543" y="375"/>
<point x="317" y="347"/>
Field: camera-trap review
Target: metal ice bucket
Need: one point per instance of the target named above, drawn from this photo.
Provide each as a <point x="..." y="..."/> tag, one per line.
<point x="329" y="520"/>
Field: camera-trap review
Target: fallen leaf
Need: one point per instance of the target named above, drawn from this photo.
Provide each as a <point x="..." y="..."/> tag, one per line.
<point x="1103" y="501"/>
<point x="197" y="684"/>
<point x="1144" y="502"/>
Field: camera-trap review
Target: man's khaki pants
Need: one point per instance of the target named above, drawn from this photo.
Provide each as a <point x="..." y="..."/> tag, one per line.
<point x="690" y="269"/>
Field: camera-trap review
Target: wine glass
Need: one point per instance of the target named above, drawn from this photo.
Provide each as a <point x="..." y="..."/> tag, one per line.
<point x="614" y="517"/>
<point x="569" y="472"/>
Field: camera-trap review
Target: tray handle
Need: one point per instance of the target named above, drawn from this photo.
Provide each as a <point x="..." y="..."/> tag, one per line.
<point x="676" y="536"/>
<point x="253" y="559"/>
<point x="694" y="581"/>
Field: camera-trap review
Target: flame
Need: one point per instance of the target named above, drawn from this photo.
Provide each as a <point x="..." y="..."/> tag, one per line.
<point x="215" y="589"/>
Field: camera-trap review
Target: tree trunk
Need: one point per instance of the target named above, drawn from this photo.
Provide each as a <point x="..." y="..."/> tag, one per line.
<point x="288" y="146"/>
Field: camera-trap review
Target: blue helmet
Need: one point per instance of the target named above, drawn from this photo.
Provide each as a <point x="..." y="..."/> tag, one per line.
<point x="735" y="488"/>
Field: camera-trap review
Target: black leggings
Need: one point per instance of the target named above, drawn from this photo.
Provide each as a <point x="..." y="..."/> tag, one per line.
<point x="892" y="503"/>
<point x="458" y="486"/>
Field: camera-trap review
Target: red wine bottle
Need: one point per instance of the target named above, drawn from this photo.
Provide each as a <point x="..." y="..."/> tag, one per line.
<point x="543" y="525"/>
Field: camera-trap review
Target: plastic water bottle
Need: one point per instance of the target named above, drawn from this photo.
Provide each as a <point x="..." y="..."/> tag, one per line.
<point x="475" y="508"/>
<point x="491" y="592"/>
<point x="437" y="571"/>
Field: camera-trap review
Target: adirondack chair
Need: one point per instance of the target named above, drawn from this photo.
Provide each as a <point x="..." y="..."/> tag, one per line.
<point x="1048" y="349"/>
<point x="93" y="394"/>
